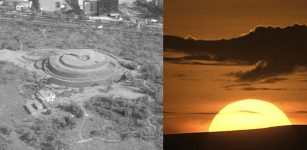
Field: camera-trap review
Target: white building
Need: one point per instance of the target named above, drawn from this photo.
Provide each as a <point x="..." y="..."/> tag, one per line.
<point x="81" y="2"/>
<point x="47" y="5"/>
<point x="155" y="2"/>
<point x="46" y="96"/>
<point x="23" y="5"/>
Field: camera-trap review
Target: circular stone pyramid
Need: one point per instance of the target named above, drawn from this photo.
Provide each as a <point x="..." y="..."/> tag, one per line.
<point x="83" y="67"/>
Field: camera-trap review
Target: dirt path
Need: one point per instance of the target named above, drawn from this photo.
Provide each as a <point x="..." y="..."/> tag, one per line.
<point x="82" y="140"/>
<point x="86" y="115"/>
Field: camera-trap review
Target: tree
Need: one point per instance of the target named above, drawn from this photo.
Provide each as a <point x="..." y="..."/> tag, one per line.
<point x="35" y="4"/>
<point x="75" y="6"/>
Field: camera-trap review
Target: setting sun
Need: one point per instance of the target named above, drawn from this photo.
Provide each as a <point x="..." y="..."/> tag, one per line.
<point x="248" y="114"/>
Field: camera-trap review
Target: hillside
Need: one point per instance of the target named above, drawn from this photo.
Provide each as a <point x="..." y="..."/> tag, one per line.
<point x="275" y="138"/>
<point x="133" y="9"/>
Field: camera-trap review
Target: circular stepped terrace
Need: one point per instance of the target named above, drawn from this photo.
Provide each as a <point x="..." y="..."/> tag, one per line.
<point x="83" y="67"/>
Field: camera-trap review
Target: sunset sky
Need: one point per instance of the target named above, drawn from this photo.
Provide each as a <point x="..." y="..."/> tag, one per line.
<point x="195" y="92"/>
<point x="216" y="19"/>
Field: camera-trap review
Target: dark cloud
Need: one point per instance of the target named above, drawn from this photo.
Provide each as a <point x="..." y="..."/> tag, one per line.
<point x="185" y="58"/>
<point x="263" y="89"/>
<point x="250" y="112"/>
<point x="301" y="112"/>
<point x="248" y="87"/>
<point x="190" y="60"/>
<point x="179" y="75"/>
<point x="231" y="86"/>
<point x="192" y="79"/>
<point x="190" y="113"/>
<point x="184" y="77"/>
<point x="273" y="51"/>
<point x="274" y="80"/>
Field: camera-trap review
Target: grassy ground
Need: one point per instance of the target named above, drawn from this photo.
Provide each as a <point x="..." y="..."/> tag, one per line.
<point x="135" y="45"/>
<point x="140" y="47"/>
<point x="48" y="133"/>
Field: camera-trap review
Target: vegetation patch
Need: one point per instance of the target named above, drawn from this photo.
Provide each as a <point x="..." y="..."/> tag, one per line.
<point x="130" y="118"/>
<point x="10" y="72"/>
<point x="47" y="133"/>
<point x="72" y="108"/>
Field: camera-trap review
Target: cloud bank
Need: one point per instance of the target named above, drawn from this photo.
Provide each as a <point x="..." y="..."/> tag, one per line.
<point x="274" y="51"/>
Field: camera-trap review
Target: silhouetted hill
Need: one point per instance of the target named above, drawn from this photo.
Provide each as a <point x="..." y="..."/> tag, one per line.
<point x="279" y="50"/>
<point x="260" y="35"/>
<point x="190" y="37"/>
<point x="275" y="138"/>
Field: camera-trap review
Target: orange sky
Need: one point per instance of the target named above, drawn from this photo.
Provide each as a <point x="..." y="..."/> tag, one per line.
<point x="191" y="90"/>
<point x="194" y="93"/>
<point x="216" y="19"/>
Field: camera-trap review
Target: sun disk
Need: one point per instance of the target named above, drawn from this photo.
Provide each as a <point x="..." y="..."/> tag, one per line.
<point x="248" y="114"/>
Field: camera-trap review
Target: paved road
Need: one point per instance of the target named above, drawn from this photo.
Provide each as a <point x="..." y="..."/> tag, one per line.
<point x="82" y="24"/>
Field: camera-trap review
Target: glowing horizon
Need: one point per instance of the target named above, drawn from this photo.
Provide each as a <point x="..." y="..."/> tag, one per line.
<point x="248" y="114"/>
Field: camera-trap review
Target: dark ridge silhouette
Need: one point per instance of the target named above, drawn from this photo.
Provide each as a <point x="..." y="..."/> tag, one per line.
<point x="276" y="51"/>
<point x="274" y="138"/>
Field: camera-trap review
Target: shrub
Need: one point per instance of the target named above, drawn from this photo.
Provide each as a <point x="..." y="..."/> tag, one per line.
<point x="72" y="108"/>
<point x="4" y="129"/>
<point x="52" y="141"/>
<point x="94" y="133"/>
<point x="11" y="72"/>
<point x="126" y="115"/>
<point x="4" y="143"/>
<point x="47" y="133"/>
<point x="140" y="112"/>
<point x="29" y="138"/>
<point x="148" y="10"/>
<point x="65" y="122"/>
<point x="151" y="72"/>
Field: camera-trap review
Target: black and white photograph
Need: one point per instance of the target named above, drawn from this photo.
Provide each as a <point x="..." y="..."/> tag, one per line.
<point x="81" y="74"/>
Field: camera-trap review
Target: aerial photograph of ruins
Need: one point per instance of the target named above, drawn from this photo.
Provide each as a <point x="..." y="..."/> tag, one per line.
<point x="81" y="74"/>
